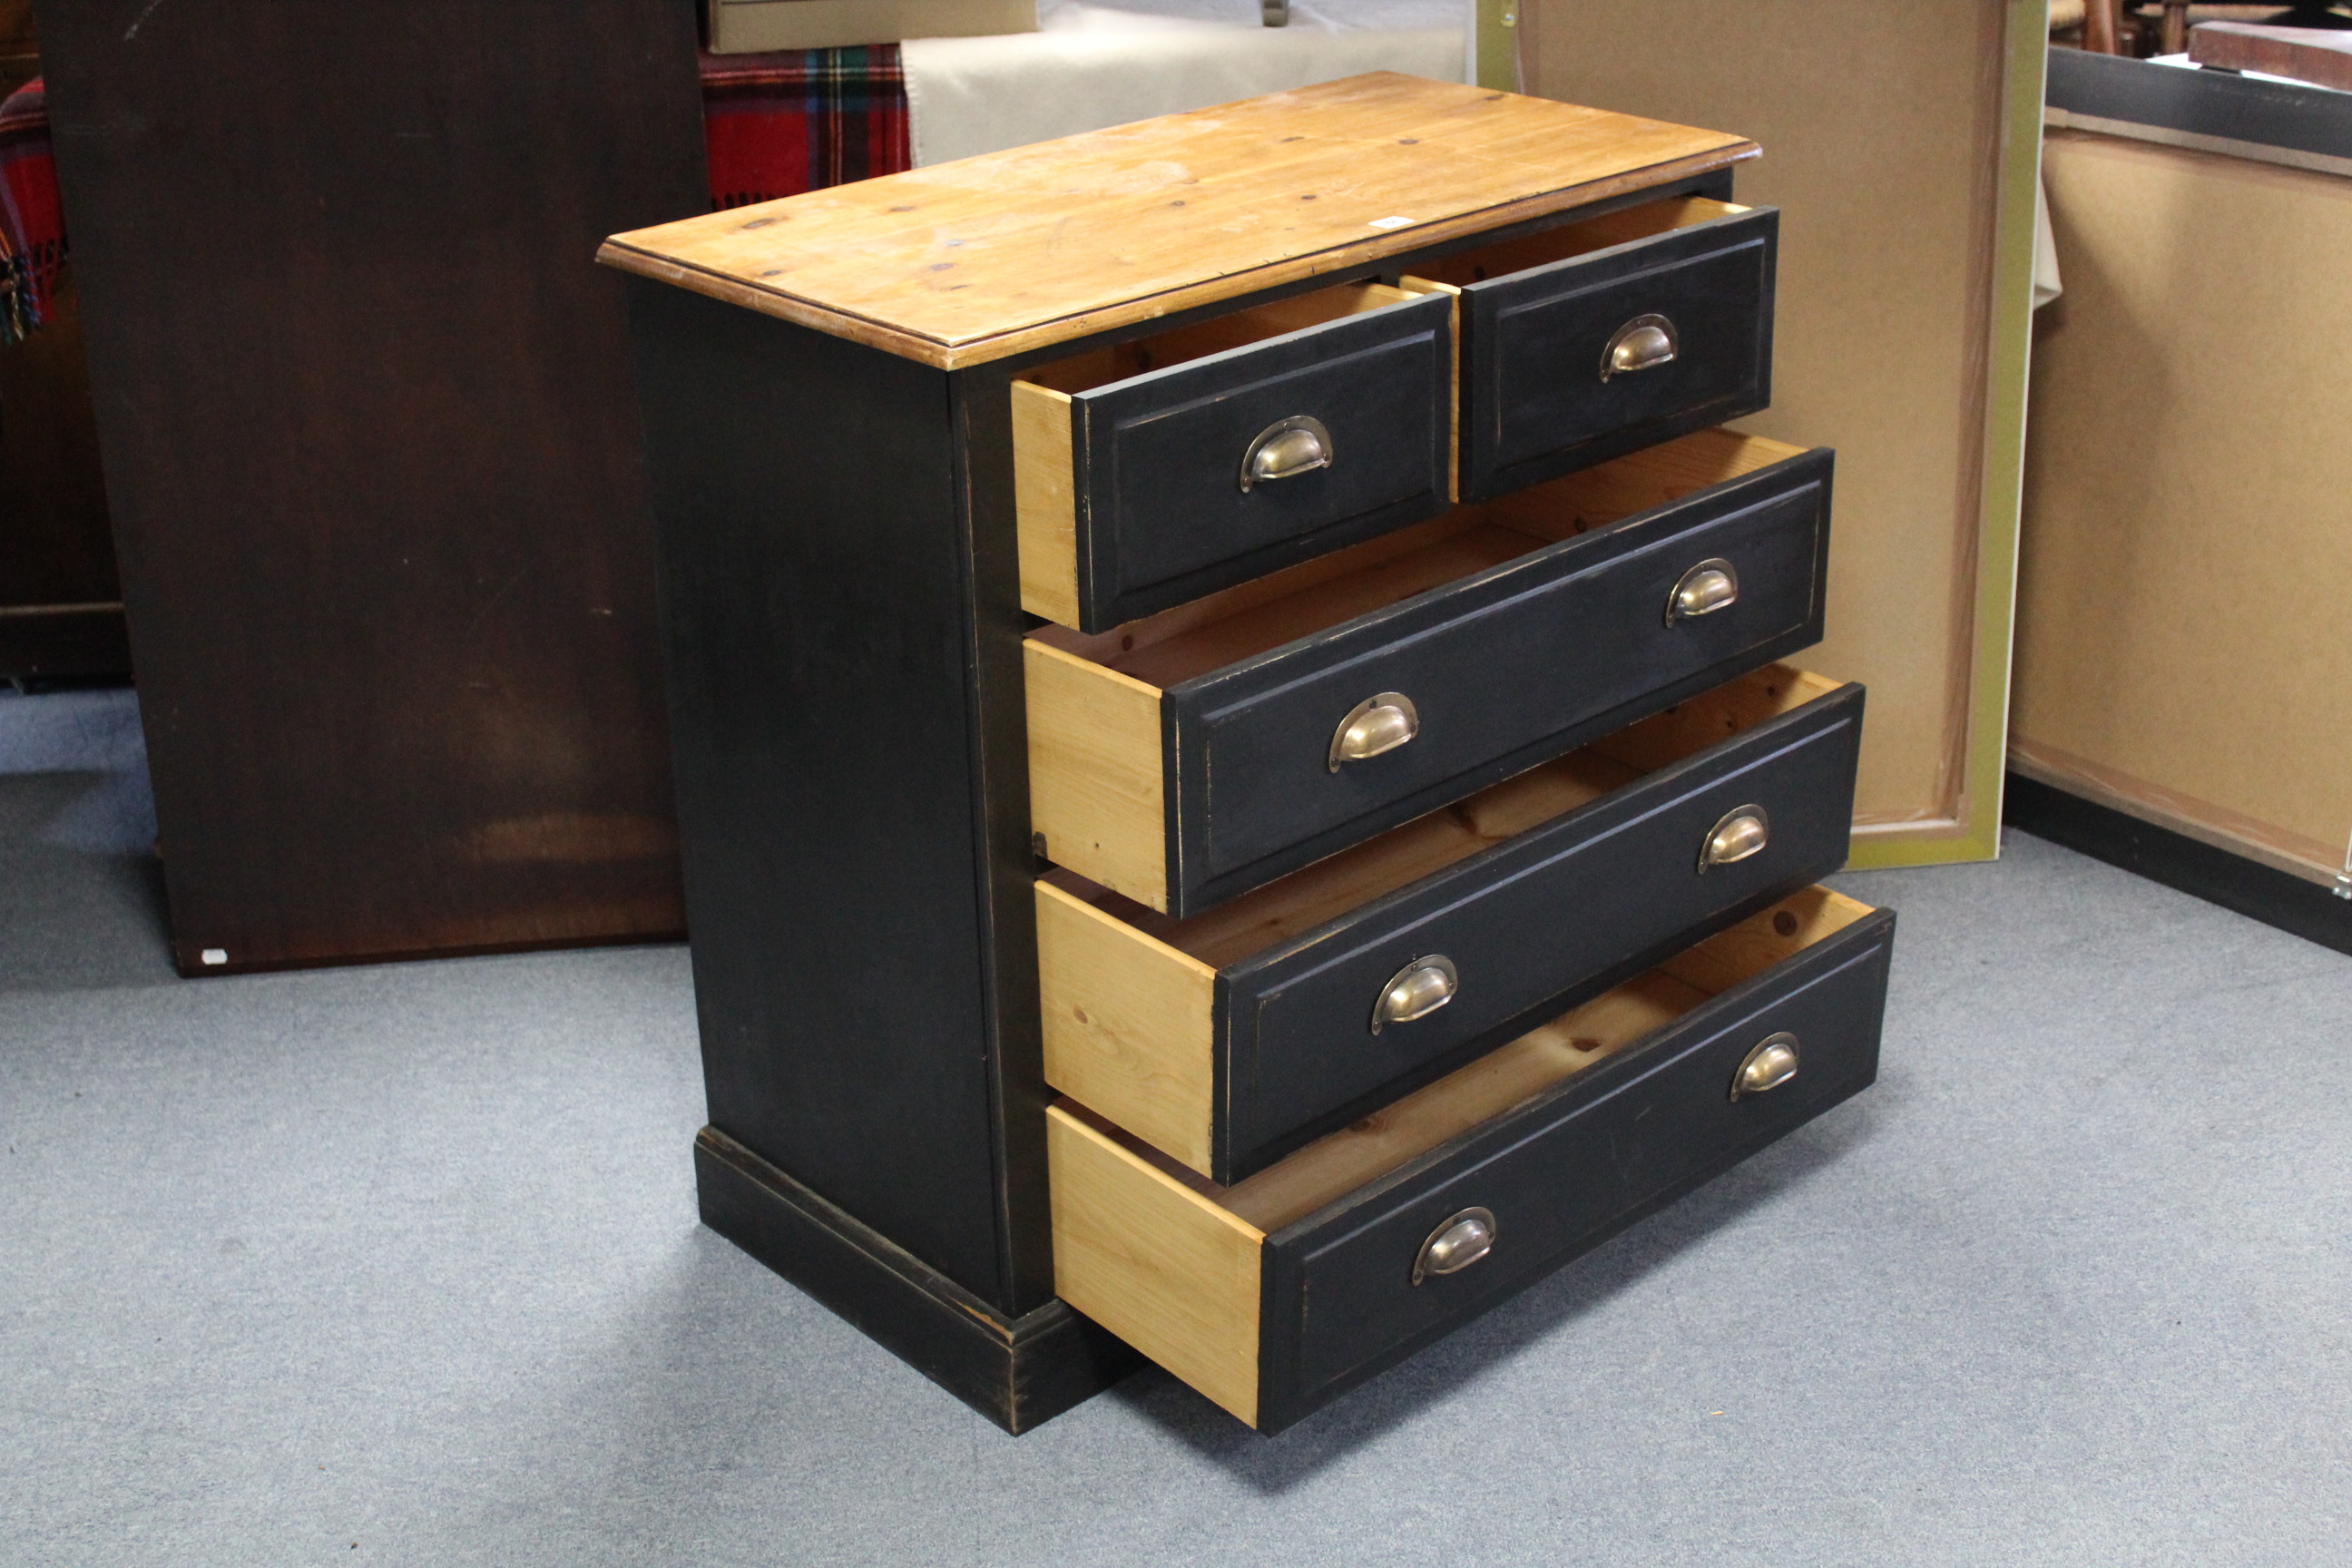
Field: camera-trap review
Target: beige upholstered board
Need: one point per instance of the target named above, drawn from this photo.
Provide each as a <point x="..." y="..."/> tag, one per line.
<point x="2181" y="652"/>
<point x="1890" y="138"/>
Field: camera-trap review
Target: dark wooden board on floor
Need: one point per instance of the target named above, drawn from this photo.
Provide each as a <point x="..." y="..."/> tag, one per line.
<point x="2203" y="107"/>
<point x="2309" y="909"/>
<point x="363" y="405"/>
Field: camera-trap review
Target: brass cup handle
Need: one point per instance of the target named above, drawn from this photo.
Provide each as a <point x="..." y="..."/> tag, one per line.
<point x="1379" y="723"/>
<point x="1772" y="1063"/>
<point x="1644" y="342"/>
<point x="1713" y="585"/>
<point x="1285" y="449"/>
<point x="1742" y="832"/>
<point x="1456" y="1244"/>
<point x="1416" y="991"/>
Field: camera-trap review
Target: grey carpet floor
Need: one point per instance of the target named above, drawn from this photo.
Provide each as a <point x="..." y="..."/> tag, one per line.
<point x="400" y="1264"/>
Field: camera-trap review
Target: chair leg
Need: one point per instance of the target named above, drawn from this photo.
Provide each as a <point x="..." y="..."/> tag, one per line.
<point x="2099" y="27"/>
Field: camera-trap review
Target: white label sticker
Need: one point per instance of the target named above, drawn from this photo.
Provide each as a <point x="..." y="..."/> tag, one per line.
<point x="1391" y="222"/>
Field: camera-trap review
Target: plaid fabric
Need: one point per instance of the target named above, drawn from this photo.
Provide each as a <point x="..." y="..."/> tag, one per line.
<point x="798" y="119"/>
<point x="32" y="225"/>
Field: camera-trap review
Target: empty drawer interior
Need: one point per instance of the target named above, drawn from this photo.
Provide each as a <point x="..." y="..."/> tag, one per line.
<point x="1101" y="367"/>
<point x="1623" y="226"/>
<point x="1331" y="887"/>
<point x="1192" y="639"/>
<point x="1171" y="1262"/>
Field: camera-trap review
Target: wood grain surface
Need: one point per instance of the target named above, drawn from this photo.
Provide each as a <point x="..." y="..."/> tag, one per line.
<point x="1688" y="728"/>
<point x="2303" y="53"/>
<point x="1283" y="910"/>
<point x="1620" y="227"/>
<point x="974" y="260"/>
<point x="1045" y="489"/>
<point x="1147" y="514"/>
<point x="1097" y="781"/>
<point x="1139" y="1024"/>
<point x="1127" y="1021"/>
<point x="372" y="454"/>
<point x="1174" y="1263"/>
<point x="1761" y="940"/>
<point x="1153" y="1260"/>
<point x="1548" y="1054"/>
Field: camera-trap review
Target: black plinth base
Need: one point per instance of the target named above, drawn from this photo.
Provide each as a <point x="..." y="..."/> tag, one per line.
<point x="1019" y="1373"/>
<point x="2309" y="909"/>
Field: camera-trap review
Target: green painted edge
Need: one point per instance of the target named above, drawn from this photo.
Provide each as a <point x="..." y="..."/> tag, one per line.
<point x="2024" y="69"/>
<point x="1887" y="851"/>
<point x="1498" y="43"/>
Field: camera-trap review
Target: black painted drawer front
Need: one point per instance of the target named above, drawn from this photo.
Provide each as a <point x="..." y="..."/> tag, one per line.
<point x="1535" y="403"/>
<point x="1162" y="517"/>
<point x="1563" y="1171"/>
<point x="1507" y="667"/>
<point x="1533" y="925"/>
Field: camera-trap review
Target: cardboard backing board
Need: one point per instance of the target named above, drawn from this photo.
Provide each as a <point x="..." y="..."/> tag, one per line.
<point x="2180" y="647"/>
<point x="1900" y="143"/>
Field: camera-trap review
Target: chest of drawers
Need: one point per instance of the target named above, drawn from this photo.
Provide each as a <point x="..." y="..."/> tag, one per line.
<point x="1240" y="798"/>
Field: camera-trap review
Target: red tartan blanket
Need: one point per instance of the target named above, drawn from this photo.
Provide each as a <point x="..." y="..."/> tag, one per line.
<point x="32" y="225"/>
<point x="775" y="124"/>
<point x="798" y="119"/>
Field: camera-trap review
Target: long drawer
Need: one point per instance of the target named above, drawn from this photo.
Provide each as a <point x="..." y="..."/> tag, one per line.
<point x="1231" y="1039"/>
<point x="1187" y="758"/>
<point x="1166" y="467"/>
<point x="1594" y="338"/>
<point x="1276" y="1295"/>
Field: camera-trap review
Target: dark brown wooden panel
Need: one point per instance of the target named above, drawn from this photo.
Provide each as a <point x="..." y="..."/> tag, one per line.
<point x="20" y="49"/>
<point x="373" y="461"/>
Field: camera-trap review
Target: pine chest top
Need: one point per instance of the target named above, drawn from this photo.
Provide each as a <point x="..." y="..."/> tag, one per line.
<point x="961" y="263"/>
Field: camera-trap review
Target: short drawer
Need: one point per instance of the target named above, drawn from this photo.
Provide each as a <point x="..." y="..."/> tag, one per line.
<point x="1187" y="758"/>
<point x="1229" y="1039"/>
<point x="1161" y="470"/>
<point x="1274" y="1295"/>
<point x="1589" y="339"/>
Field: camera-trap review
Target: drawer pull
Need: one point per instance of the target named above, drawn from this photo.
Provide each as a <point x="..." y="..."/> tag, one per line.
<point x="1772" y="1063"/>
<point x="1644" y="342"/>
<point x="1710" y="587"/>
<point x="1416" y="991"/>
<point x="1378" y="723"/>
<point x="1456" y="1244"/>
<point x="1743" y="831"/>
<point x="1285" y="449"/>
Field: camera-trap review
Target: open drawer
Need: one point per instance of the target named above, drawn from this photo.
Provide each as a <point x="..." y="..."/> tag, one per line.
<point x="1231" y="1039"/>
<point x="1273" y="1296"/>
<point x="1586" y="341"/>
<point x="1210" y="749"/>
<point x="1164" y="468"/>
